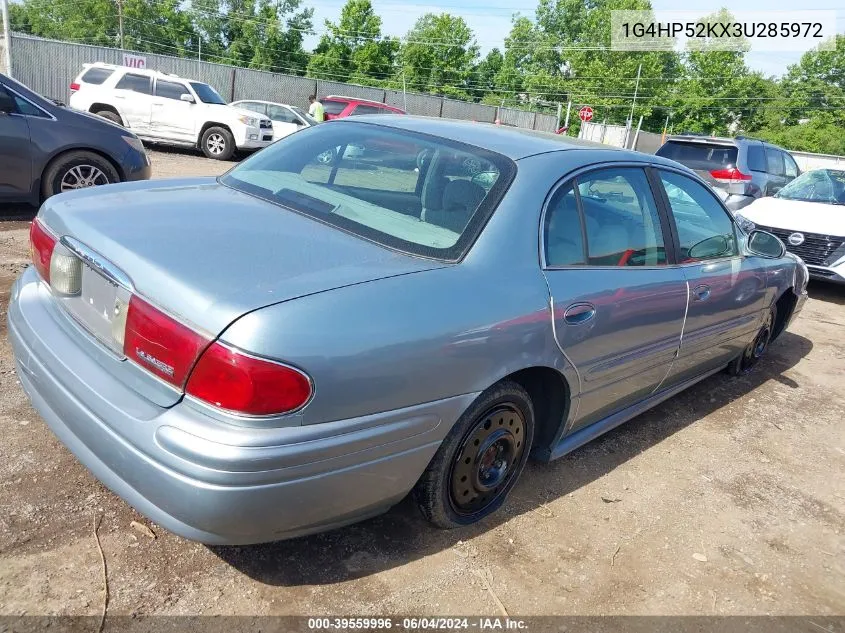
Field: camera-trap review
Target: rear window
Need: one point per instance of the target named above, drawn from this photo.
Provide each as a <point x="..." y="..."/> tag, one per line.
<point x="96" y="75"/>
<point x="334" y="107"/>
<point x="420" y="194"/>
<point x="704" y="156"/>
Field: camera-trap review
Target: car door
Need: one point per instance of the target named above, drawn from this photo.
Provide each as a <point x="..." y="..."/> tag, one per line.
<point x="776" y="170"/>
<point x="726" y="289"/>
<point x="284" y="121"/>
<point x="15" y="150"/>
<point x="171" y="117"/>
<point x="618" y="303"/>
<point x="133" y="96"/>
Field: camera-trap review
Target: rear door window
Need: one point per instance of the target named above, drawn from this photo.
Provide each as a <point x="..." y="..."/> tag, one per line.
<point x="702" y="156"/>
<point x="367" y="109"/>
<point x="135" y="83"/>
<point x="756" y="158"/>
<point x="774" y="162"/>
<point x="96" y="76"/>
<point x="334" y="107"/>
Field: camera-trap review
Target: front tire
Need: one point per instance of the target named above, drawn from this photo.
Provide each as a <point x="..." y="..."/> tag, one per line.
<point x="757" y="348"/>
<point x="218" y="143"/>
<point x="480" y="459"/>
<point x="114" y="117"/>
<point x="77" y="170"/>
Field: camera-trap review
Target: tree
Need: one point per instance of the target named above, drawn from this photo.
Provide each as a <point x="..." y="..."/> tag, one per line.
<point x="483" y="77"/>
<point x="438" y="55"/>
<point x="353" y="49"/>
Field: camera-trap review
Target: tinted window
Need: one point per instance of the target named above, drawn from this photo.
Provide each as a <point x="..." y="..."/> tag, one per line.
<point x="7" y="104"/>
<point x="621" y="219"/>
<point x="375" y="188"/>
<point x="564" y="240"/>
<point x="207" y="94"/>
<point x="367" y="109"/>
<point x="774" y="161"/>
<point x="790" y="168"/>
<point x="756" y="158"/>
<point x="698" y="217"/>
<point x="96" y="75"/>
<point x="135" y="83"/>
<point x="170" y="89"/>
<point x="334" y="107"/>
<point x="705" y="156"/>
<point x="280" y="114"/>
<point x="25" y="107"/>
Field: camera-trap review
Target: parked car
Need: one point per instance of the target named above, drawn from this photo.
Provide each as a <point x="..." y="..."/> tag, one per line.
<point x="166" y="109"/>
<point x="295" y="346"/>
<point x="46" y="149"/>
<point x="740" y="169"/>
<point x="286" y="119"/>
<point x="337" y="107"/>
<point x="809" y="218"/>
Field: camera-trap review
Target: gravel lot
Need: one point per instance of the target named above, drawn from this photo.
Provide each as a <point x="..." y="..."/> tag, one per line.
<point x="728" y="499"/>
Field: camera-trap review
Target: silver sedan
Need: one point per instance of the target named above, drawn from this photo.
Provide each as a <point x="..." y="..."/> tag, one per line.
<point x="301" y="343"/>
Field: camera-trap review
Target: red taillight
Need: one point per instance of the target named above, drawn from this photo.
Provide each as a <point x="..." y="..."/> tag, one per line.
<point x="161" y="344"/>
<point x="74" y="87"/>
<point x="42" y="245"/>
<point x="729" y="175"/>
<point x="236" y="382"/>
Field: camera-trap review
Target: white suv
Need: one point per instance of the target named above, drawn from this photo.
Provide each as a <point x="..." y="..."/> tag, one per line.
<point x="163" y="108"/>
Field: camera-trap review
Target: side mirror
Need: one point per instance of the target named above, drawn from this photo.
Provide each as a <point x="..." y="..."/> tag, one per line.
<point x="186" y="97"/>
<point x="710" y="248"/>
<point x="765" y="245"/>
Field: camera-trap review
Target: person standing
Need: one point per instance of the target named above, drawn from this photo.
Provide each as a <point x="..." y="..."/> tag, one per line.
<point x="316" y="109"/>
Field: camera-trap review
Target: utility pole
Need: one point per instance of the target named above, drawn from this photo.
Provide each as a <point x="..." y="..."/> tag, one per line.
<point x="568" y="110"/>
<point x="633" y="103"/>
<point x="7" y="37"/>
<point x="665" y="125"/>
<point x="404" y="92"/>
<point x="120" y="20"/>
<point x="199" y="55"/>
<point x="559" y="110"/>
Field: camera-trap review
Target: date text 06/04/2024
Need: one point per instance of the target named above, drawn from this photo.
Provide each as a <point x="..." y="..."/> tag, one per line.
<point x="417" y="624"/>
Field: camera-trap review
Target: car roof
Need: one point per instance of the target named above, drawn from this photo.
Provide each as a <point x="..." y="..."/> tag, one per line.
<point x="140" y="71"/>
<point x="358" y="100"/>
<point x="515" y="143"/>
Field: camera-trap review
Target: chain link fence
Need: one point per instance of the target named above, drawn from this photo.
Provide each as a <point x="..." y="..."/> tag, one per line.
<point x="49" y="67"/>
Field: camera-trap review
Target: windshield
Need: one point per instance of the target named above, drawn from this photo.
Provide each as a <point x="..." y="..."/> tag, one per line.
<point x="206" y="93"/>
<point x="422" y="195"/>
<point x="820" y="185"/>
<point x="304" y="115"/>
<point x="702" y="156"/>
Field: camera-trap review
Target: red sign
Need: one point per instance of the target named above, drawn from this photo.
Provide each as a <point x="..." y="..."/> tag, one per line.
<point x="585" y="113"/>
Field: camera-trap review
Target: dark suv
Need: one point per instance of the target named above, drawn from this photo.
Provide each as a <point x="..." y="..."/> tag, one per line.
<point x="740" y="169"/>
<point x="46" y="148"/>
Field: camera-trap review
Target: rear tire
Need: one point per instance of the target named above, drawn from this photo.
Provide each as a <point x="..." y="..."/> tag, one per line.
<point x="480" y="459"/>
<point x="757" y="348"/>
<point x="218" y="143"/>
<point x="114" y="117"/>
<point x="77" y="170"/>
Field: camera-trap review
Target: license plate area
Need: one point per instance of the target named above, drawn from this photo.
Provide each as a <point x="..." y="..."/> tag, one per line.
<point x="97" y="308"/>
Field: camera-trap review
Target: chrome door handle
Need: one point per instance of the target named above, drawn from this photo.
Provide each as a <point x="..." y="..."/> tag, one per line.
<point x="701" y="293"/>
<point x="579" y="313"/>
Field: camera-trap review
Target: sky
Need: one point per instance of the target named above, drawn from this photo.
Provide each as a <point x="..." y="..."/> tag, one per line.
<point x="491" y="19"/>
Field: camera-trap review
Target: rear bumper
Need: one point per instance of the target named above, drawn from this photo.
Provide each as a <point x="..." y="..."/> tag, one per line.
<point x="735" y="202"/>
<point x="203" y="479"/>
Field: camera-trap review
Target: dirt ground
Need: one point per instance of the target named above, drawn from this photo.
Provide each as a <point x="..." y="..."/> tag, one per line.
<point x="728" y="499"/>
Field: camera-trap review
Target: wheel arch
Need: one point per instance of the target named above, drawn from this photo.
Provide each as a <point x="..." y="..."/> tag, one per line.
<point x="38" y="184"/>
<point x="550" y="395"/>
<point x="785" y="305"/>
<point x="210" y="124"/>
<point x="98" y="106"/>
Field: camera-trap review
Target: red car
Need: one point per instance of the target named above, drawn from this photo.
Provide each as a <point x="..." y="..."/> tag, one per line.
<point x="336" y="107"/>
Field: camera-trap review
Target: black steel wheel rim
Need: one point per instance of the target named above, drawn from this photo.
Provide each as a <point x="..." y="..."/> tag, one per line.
<point x="488" y="460"/>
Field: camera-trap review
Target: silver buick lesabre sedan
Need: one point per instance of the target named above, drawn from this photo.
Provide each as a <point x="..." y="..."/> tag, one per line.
<point x="300" y="343"/>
